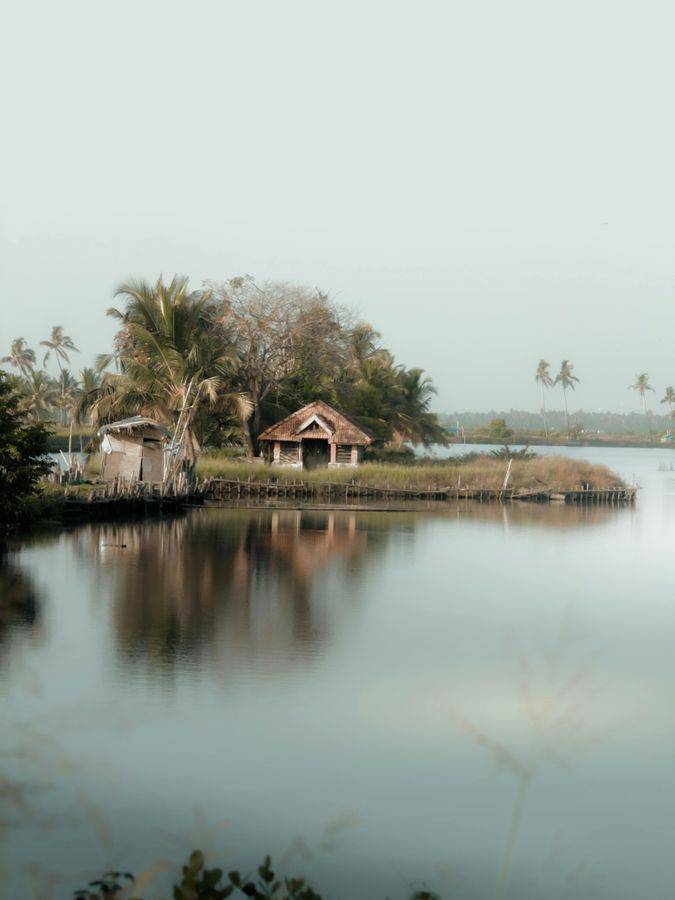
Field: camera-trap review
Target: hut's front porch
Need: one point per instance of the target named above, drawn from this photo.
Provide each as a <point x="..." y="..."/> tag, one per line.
<point x="314" y="453"/>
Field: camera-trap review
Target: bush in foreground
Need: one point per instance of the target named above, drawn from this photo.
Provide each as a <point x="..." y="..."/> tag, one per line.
<point x="200" y="883"/>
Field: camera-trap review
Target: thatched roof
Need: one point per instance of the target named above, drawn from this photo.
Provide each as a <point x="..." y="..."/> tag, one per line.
<point x="319" y="420"/>
<point x="135" y="425"/>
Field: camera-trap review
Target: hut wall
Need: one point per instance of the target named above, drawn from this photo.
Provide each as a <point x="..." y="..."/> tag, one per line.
<point x="344" y="454"/>
<point x="347" y="456"/>
<point x="287" y="454"/>
<point x="126" y="462"/>
<point x="133" y="458"/>
<point x="153" y="461"/>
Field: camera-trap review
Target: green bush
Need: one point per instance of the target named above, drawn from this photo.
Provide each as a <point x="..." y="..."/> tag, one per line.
<point x="23" y="455"/>
<point x="200" y="883"/>
<point x="499" y="430"/>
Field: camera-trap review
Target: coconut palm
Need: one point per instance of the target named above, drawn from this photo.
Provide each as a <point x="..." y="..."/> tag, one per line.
<point x="58" y="344"/>
<point x="642" y="385"/>
<point x="20" y="356"/>
<point x="172" y="361"/>
<point x="40" y="393"/>
<point x="566" y="379"/>
<point x="543" y="377"/>
<point x="669" y="398"/>
<point x="411" y="418"/>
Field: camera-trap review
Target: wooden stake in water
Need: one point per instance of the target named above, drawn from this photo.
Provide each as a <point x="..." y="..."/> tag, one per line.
<point x="508" y="475"/>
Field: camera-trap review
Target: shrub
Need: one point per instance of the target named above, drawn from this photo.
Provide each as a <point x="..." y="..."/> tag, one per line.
<point x="23" y="454"/>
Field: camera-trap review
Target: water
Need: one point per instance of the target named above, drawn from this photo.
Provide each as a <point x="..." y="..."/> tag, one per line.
<point x="479" y="697"/>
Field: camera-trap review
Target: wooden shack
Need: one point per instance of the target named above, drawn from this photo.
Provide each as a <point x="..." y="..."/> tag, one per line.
<point x="133" y="449"/>
<point x="317" y="435"/>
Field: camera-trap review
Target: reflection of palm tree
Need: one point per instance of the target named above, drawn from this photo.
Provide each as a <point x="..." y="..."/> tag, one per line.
<point x="20" y="356"/>
<point x="545" y="380"/>
<point x="566" y="379"/>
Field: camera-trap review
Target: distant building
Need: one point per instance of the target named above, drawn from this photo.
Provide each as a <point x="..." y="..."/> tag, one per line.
<point x="317" y="435"/>
<point x="133" y="449"/>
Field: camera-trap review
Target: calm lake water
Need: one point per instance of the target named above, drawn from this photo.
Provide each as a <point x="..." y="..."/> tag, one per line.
<point x="477" y="697"/>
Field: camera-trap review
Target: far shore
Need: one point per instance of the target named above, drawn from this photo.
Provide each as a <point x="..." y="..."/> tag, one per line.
<point x="528" y="439"/>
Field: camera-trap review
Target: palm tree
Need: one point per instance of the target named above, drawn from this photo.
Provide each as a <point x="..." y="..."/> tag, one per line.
<point x="545" y="380"/>
<point x="642" y="385"/>
<point x="40" y="393"/>
<point x="411" y="419"/>
<point x="172" y="360"/>
<point x="20" y="356"/>
<point x="566" y="379"/>
<point x="58" y="344"/>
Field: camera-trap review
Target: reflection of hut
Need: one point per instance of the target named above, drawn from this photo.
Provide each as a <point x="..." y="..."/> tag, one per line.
<point x="317" y="435"/>
<point x="133" y="449"/>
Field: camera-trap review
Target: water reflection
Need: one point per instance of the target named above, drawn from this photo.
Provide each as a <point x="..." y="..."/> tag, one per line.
<point x="230" y="584"/>
<point x="19" y="599"/>
<point x="539" y="515"/>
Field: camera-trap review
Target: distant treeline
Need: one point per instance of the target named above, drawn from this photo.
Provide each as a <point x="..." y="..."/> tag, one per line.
<point x="520" y="420"/>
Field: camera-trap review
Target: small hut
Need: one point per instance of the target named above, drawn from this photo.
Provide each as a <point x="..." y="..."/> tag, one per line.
<point x="317" y="435"/>
<point x="133" y="449"/>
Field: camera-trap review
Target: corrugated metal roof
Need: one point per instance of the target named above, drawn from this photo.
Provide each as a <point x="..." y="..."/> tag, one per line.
<point x="341" y="428"/>
<point x="133" y="423"/>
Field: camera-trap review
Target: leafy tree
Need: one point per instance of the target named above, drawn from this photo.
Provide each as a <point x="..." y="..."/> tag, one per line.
<point x="287" y="343"/>
<point x="20" y="356"/>
<point x="544" y="378"/>
<point x="23" y="453"/>
<point x="642" y="385"/>
<point x="499" y="430"/>
<point x="567" y="380"/>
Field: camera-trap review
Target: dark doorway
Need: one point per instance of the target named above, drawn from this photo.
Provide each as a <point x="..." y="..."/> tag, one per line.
<point x="315" y="454"/>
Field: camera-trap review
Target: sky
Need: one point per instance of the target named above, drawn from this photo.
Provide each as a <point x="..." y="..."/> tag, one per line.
<point x="487" y="183"/>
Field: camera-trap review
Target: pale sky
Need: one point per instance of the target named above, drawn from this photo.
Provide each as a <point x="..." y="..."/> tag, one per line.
<point x="486" y="182"/>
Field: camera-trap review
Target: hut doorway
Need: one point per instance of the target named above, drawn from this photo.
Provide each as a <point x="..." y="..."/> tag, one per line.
<point x="315" y="453"/>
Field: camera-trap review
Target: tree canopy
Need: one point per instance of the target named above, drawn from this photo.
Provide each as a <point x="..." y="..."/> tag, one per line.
<point x="231" y="359"/>
<point x="23" y="449"/>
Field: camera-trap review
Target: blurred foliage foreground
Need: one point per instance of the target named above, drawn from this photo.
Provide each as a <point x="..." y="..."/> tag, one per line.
<point x="200" y="883"/>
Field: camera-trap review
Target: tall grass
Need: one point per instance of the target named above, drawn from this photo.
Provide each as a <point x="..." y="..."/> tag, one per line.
<point x="550" y="473"/>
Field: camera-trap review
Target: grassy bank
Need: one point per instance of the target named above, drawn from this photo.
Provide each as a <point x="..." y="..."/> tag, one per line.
<point x="551" y="473"/>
